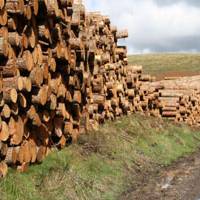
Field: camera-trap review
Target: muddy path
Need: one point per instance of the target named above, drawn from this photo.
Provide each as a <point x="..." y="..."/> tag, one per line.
<point x="180" y="181"/>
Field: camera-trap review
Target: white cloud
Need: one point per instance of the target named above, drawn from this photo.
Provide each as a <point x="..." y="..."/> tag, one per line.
<point x="153" y="27"/>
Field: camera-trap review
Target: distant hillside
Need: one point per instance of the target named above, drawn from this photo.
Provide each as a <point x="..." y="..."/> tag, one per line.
<point x="162" y="65"/>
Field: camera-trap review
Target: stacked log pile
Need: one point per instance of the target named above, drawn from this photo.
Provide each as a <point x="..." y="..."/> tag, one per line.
<point x="61" y="73"/>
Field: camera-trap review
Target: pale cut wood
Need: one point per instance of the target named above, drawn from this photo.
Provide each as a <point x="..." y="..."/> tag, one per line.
<point x="6" y="112"/>
<point x="12" y="23"/>
<point x="41" y="96"/>
<point x="4" y="131"/>
<point x="3" y="169"/>
<point x="22" y="100"/>
<point x="9" y="95"/>
<point x="25" y="62"/>
<point x="27" y="84"/>
<point x="2" y="3"/>
<point x="122" y="34"/>
<point x="36" y="76"/>
<point x="4" y="48"/>
<point x="3" y="17"/>
<point x="14" y="38"/>
<point x="33" y="115"/>
<point x="31" y="38"/>
<point x="15" y="6"/>
<point x="35" y="5"/>
<point x="52" y="7"/>
<point x="27" y="11"/>
<point x="16" y="131"/>
<point x="16" y="83"/>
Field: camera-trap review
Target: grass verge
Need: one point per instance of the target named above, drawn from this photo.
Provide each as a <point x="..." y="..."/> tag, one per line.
<point x="101" y="165"/>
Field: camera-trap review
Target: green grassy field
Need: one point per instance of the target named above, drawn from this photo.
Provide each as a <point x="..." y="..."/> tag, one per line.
<point x="162" y="65"/>
<point x="101" y="165"/>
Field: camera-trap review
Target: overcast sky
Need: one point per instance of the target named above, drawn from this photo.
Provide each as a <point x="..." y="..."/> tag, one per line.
<point x="154" y="25"/>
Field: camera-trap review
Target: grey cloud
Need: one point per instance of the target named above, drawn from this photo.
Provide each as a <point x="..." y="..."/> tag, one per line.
<point x="171" y="2"/>
<point x="173" y="44"/>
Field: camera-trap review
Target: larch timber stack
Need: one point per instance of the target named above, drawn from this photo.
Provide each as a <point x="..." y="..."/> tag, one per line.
<point x="63" y="73"/>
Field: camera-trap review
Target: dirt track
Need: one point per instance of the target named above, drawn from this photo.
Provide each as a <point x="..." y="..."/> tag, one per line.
<point x="162" y="75"/>
<point x="181" y="181"/>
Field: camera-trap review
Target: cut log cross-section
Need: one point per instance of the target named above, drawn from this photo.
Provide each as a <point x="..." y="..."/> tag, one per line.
<point x="9" y="95"/>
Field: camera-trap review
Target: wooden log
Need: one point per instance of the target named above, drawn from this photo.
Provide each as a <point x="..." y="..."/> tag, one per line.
<point x="61" y="91"/>
<point x="43" y="32"/>
<point x="3" y="17"/>
<point x="14" y="82"/>
<point x="35" y="5"/>
<point x="36" y="76"/>
<point x="52" y="64"/>
<point x="77" y="96"/>
<point x="55" y="83"/>
<point x="22" y="100"/>
<point x="145" y="77"/>
<point x="170" y="93"/>
<point x="25" y="62"/>
<point x="1" y="85"/>
<point x="6" y="112"/>
<point x="15" y="6"/>
<point x="34" y="117"/>
<point x="27" y="84"/>
<point x="3" y="169"/>
<point x="62" y="52"/>
<point x="169" y="114"/>
<point x="2" y="3"/>
<point x="121" y="50"/>
<point x="68" y="128"/>
<point x="98" y="99"/>
<point x="53" y="102"/>
<point x="4" y="131"/>
<point x="52" y="7"/>
<point x="61" y="111"/>
<point x="41" y="95"/>
<point x="9" y="95"/>
<point x="12" y="23"/>
<point x="24" y="41"/>
<point x="31" y="37"/>
<point x="122" y="34"/>
<point x="14" y="38"/>
<point x="131" y="93"/>
<point x="27" y="11"/>
<point x="75" y="43"/>
<point x="4" y="48"/>
<point x="16" y="127"/>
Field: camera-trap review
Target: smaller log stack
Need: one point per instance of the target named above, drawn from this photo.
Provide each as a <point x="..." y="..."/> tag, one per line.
<point x="176" y="98"/>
